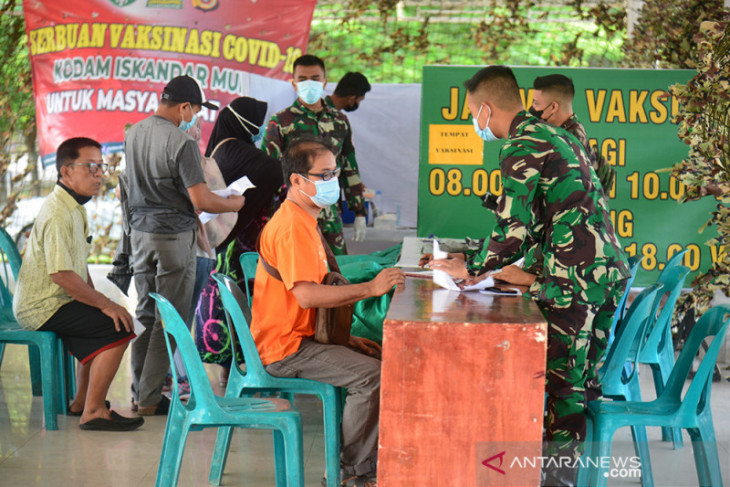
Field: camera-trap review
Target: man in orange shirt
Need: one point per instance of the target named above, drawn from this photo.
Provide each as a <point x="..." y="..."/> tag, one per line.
<point x="284" y="310"/>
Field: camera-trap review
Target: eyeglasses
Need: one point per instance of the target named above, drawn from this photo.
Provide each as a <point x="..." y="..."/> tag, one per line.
<point x="325" y="176"/>
<point x="94" y="167"/>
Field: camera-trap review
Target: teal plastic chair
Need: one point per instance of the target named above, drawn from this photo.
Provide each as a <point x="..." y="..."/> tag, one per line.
<point x="255" y="379"/>
<point x="619" y="375"/>
<point x="205" y="410"/>
<point x="658" y="350"/>
<point x="620" y="313"/>
<point x="52" y="368"/>
<point x="691" y="411"/>
<point x="249" y="262"/>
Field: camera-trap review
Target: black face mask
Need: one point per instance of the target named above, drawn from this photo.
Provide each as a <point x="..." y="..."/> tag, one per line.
<point x="80" y="199"/>
<point x="351" y="108"/>
<point x="537" y="113"/>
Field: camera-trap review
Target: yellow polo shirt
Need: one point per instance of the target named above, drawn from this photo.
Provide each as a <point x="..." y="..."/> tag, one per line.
<point x="56" y="243"/>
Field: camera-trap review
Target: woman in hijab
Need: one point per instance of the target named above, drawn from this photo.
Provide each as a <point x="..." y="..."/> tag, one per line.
<point x="232" y="145"/>
<point x="238" y="127"/>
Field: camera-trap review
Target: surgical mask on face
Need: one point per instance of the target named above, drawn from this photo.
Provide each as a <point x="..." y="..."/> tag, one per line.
<point x="185" y="126"/>
<point x="328" y="192"/>
<point x="310" y="91"/>
<point x="243" y="121"/>
<point x="485" y="133"/>
<point x="537" y="113"/>
<point x="257" y="138"/>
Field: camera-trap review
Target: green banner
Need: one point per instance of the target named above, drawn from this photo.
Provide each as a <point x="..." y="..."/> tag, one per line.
<point x="627" y="116"/>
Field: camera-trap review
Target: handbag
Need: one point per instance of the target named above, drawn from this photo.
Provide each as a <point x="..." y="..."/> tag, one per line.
<point x="217" y="229"/>
<point x="331" y="325"/>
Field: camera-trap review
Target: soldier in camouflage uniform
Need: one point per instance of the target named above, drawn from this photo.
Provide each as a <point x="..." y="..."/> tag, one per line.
<point x="550" y="196"/>
<point x="314" y="117"/>
<point x="553" y="102"/>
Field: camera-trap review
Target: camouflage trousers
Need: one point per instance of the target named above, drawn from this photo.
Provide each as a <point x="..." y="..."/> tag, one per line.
<point x="577" y="339"/>
<point x="330" y="223"/>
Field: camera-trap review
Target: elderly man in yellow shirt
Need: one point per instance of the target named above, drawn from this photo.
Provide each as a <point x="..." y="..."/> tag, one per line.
<point x="55" y="292"/>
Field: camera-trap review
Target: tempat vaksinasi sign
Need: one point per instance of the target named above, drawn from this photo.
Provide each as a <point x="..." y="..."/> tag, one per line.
<point x="627" y="116"/>
<point x="100" y="65"/>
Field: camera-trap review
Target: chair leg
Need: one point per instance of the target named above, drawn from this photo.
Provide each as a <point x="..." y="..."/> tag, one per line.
<point x="332" y="406"/>
<point x="280" y="458"/>
<point x="704" y="447"/>
<point x="34" y="361"/>
<point x="220" y="454"/>
<point x="173" y="448"/>
<point x="641" y="446"/>
<point x="61" y="377"/>
<point x="48" y="377"/>
<point x="2" y="352"/>
<point x="294" y="451"/>
<point x="602" y="444"/>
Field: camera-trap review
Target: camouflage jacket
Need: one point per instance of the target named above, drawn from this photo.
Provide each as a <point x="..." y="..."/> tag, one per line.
<point x="551" y="196"/>
<point x="606" y="174"/>
<point x="329" y="123"/>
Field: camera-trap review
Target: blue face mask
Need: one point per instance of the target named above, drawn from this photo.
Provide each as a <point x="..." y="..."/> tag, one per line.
<point x="257" y="138"/>
<point x="310" y="91"/>
<point x="486" y="133"/>
<point x="328" y="192"/>
<point x="185" y="126"/>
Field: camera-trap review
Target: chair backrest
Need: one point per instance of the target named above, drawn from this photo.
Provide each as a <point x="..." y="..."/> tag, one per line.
<point x="620" y="313"/>
<point x="676" y="260"/>
<point x="201" y="392"/>
<point x="10" y="261"/>
<point x="249" y="262"/>
<point x="10" y="252"/>
<point x="672" y="280"/>
<point x="626" y="345"/>
<point x="713" y="323"/>
<point x="239" y="316"/>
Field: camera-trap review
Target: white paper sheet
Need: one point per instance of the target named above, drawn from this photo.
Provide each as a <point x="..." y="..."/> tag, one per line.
<point x="139" y="328"/>
<point x="447" y="282"/>
<point x="239" y="186"/>
<point x="411" y="252"/>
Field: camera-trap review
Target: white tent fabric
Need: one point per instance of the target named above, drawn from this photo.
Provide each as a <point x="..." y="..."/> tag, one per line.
<point x="385" y="134"/>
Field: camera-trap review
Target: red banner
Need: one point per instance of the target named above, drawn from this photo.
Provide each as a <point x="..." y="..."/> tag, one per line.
<point x="100" y="65"/>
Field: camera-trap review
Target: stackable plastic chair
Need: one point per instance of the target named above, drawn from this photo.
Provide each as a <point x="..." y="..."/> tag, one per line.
<point x="256" y="379"/>
<point x="619" y="375"/>
<point x="249" y="261"/>
<point x="672" y="409"/>
<point x="620" y="313"/>
<point x="658" y="350"/>
<point x="52" y="368"/>
<point x="204" y="410"/>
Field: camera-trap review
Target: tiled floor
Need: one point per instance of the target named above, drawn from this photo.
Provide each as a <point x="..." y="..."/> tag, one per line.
<point x="31" y="456"/>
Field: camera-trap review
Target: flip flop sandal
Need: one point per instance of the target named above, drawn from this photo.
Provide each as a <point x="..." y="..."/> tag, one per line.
<point x="103" y="424"/>
<point x="73" y="413"/>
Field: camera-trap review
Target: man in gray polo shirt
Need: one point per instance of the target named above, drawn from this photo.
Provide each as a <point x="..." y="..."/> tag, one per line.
<point x="166" y="186"/>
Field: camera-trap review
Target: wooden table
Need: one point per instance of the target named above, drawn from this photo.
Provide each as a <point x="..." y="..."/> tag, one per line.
<point x="462" y="389"/>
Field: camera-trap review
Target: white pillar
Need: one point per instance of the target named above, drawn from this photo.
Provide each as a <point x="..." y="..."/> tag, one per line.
<point x="632" y="14"/>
